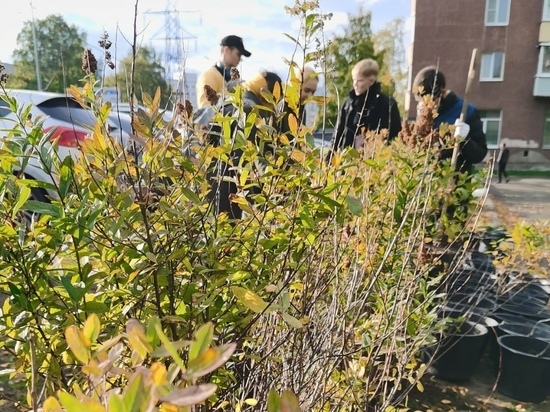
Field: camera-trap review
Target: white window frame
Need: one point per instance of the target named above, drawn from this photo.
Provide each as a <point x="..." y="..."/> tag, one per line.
<point x="492" y="79"/>
<point x="540" y="64"/>
<point x="498" y="7"/>
<point x="546" y="11"/>
<point x="485" y="120"/>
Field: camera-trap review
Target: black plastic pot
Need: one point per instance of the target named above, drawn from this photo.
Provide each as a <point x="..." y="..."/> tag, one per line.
<point x="526" y="309"/>
<point x="502" y="316"/>
<point x="529" y="290"/>
<point x="456" y="356"/>
<point x="480" y="262"/>
<point x="514" y="298"/>
<point x="525" y="368"/>
<point x="521" y="329"/>
<point x="464" y="280"/>
<point x="477" y="302"/>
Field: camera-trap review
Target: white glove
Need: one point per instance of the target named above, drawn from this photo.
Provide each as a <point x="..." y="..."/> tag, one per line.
<point x="461" y="129"/>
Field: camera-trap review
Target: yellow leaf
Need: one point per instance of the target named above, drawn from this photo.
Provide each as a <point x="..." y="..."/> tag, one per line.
<point x="284" y="140"/>
<point x="249" y="299"/>
<point x="137" y="338"/>
<point x="277" y="91"/>
<point x="293" y="124"/>
<point x="419" y="386"/>
<point x="77" y="343"/>
<point x="72" y="404"/>
<point x="210" y="360"/>
<point x="159" y="373"/>
<point x="297" y="155"/>
<point x="251" y="402"/>
<point x="91" y="328"/>
<point x="52" y="405"/>
<point x="168" y="407"/>
<point x="92" y="368"/>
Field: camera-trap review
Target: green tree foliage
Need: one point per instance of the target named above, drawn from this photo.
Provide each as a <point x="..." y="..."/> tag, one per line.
<point x="356" y="43"/>
<point x="393" y="77"/>
<point x="60" y="48"/>
<point x="149" y="74"/>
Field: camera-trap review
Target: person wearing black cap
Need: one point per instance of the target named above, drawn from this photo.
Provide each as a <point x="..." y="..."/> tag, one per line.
<point x="217" y="76"/>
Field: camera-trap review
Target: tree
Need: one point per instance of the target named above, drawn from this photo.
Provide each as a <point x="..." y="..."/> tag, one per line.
<point x="148" y="75"/>
<point x="59" y="48"/>
<point x="389" y="40"/>
<point x="343" y="52"/>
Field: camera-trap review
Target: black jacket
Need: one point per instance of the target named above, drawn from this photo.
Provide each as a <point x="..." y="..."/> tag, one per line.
<point x="503" y="157"/>
<point x="474" y="147"/>
<point x="372" y="110"/>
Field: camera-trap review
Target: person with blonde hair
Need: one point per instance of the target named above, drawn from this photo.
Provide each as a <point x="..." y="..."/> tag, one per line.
<point x="365" y="109"/>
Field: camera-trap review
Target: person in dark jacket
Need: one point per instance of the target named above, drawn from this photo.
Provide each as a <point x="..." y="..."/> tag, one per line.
<point x="430" y="81"/>
<point x="222" y="189"/>
<point x="502" y="160"/>
<point x="365" y="109"/>
<point x="307" y="80"/>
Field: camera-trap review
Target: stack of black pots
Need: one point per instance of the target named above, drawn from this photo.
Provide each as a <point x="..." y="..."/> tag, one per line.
<point x="503" y="316"/>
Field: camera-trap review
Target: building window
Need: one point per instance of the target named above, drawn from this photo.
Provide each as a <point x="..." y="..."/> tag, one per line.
<point x="497" y="12"/>
<point x="492" y="67"/>
<point x="546" y="10"/>
<point x="491" y="120"/>
<point x="546" y="135"/>
<point x="544" y="60"/>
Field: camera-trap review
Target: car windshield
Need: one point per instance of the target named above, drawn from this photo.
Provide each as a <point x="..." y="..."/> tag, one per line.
<point x="67" y="110"/>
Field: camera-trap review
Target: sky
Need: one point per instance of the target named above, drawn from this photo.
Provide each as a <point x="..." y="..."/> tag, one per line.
<point x="261" y="24"/>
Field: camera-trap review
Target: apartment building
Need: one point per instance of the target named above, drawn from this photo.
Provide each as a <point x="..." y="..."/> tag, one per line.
<point x="512" y="83"/>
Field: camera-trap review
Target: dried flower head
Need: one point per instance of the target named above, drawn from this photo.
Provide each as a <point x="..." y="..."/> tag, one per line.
<point x="185" y="107"/>
<point x="235" y="75"/>
<point x="2" y="68"/>
<point x="421" y="134"/>
<point x="4" y="78"/>
<point x="185" y="110"/>
<point x="104" y="41"/>
<point x="211" y="95"/>
<point x="89" y="62"/>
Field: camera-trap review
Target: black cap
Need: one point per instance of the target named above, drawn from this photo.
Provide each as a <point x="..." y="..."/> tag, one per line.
<point x="235" y="41"/>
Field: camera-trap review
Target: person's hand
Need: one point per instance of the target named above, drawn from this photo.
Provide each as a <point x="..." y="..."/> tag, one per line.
<point x="461" y="129"/>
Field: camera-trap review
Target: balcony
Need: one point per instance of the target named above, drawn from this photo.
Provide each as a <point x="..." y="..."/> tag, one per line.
<point x="542" y="86"/>
<point x="542" y="78"/>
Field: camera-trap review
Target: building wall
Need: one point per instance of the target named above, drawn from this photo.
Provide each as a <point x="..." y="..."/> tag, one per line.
<point x="446" y="32"/>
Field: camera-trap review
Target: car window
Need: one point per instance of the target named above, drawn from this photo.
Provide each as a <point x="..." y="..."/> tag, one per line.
<point x="67" y="110"/>
<point x="4" y="108"/>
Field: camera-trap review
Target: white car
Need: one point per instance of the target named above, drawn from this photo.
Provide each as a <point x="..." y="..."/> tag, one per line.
<point x="125" y="108"/>
<point x="68" y="122"/>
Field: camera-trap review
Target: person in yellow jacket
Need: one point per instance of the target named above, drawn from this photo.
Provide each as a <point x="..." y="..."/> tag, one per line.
<point x="217" y="76"/>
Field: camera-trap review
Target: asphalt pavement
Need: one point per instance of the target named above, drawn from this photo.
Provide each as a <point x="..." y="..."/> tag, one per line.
<point x="521" y="199"/>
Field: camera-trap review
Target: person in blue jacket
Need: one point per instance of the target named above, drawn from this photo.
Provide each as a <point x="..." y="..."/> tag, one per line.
<point x="473" y="146"/>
